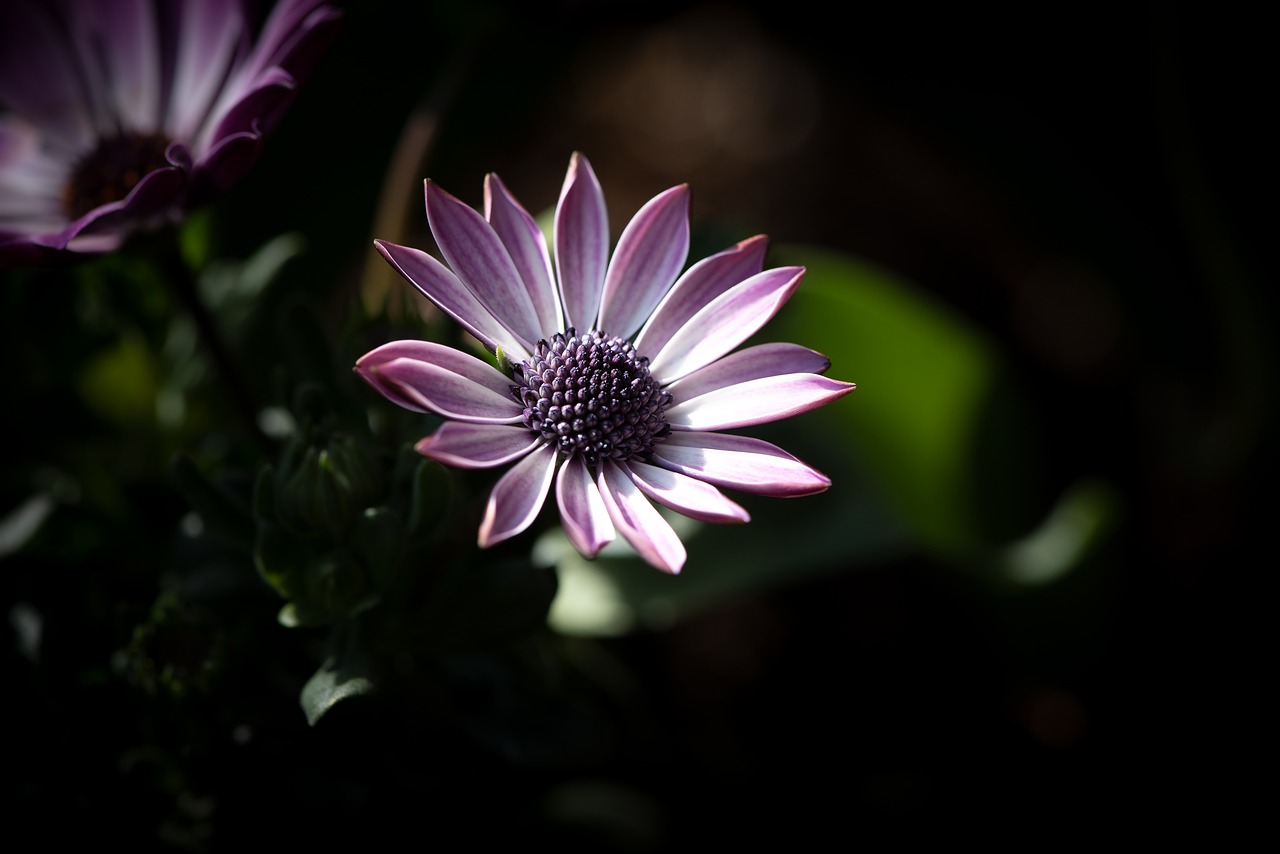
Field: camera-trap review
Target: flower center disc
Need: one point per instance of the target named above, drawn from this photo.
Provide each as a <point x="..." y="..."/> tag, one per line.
<point x="592" y="395"/>
<point x="109" y="172"/>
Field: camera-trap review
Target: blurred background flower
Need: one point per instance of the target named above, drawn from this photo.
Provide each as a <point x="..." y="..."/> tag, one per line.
<point x="119" y="115"/>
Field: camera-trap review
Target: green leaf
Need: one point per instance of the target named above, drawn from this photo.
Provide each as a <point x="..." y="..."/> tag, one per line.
<point x="346" y="672"/>
<point x="931" y="394"/>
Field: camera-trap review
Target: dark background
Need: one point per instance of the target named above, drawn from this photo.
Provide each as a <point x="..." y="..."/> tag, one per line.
<point x="1086" y="183"/>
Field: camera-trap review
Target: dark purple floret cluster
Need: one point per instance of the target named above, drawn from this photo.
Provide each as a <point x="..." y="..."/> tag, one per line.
<point x="592" y="395"/>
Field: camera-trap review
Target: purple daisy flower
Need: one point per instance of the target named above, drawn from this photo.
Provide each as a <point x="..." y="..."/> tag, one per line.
<point x="121" y="113"/>
<point x="621" y="369"/>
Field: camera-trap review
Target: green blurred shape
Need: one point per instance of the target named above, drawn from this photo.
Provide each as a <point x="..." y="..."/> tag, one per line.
<point x="120" y="383"/>
<point x="1074" y="528"/>
<point x="925" y="385"/>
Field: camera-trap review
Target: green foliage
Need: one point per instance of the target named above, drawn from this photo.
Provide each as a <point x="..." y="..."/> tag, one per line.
<point x="925" y="377"/>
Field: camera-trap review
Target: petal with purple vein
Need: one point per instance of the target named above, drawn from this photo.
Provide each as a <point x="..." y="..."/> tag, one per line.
<point x="583" y="515"/>
<point x="724" y="323"/>
<point x="430" y="377"/>
<point x="650" y="254"/>
<point x="477" y="446"/>
<point x="528" y="250"/>
<point x="582" y="244"/>
<point x="750" y="363"/>
<point x="755" y="402"/>
<point x="517" y="497"/>
<point x="699" y="285"/>
<point x="739" y="462"/>
<point x="438" y="284"/>
<point x="477" y="256"/>
<point x="690" y="496"/>
<point x="639" y="523"/>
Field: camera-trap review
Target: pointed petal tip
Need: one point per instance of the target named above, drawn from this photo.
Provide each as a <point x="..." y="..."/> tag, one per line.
<point x="578" y="161"/>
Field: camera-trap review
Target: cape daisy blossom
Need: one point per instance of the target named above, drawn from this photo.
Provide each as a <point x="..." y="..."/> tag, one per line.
<point x="122" y="113"/>
<point x="621" y="369"/>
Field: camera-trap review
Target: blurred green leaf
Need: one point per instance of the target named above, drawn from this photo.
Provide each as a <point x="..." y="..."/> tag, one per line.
<point x="120" y="383"/>
<point x="1082" y="518"/>
<point x="929" y="393"/>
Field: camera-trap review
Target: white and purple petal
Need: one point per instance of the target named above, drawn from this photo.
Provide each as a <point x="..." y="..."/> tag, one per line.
<point x="480" y="260"/>
<point x="640" y="524"/>
<point x="208" y="35"/>
<point x="292" y="38"/>
<point x="582" y="244"/>
<point x="749" y="363"/>
<point x="739" y="462"/>
<point x="528" y="250"/>
<point x="438" y="284"/>
<point x="724" y="323"/>
<point x="518" y="496"/>
<point x="119" y="41"/>
<point x="31" y="180"/>
<point x="583" y="514"/>
<point x="477" y="446"/>
<point x="430" y="377"/>
<point x="700" y="284"/>
<point x="269" y="93"/>
<point x="755" y="402"/>
<point x="649" y="255"/>
<point x="694" y="498"/>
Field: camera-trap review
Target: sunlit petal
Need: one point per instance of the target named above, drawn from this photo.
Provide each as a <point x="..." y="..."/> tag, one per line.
<point x="756" y="402"/>
<point x="694" y="498"/>
<point x="443" y="288"/>
<point x="739" y="462"/>
<point x="478" y="258"/>
<point x="528" y="250"/>
<point x="649" y="256"/>
<point x="477" y="446"/>
<point x="582" y="511"/>
<point x="700" y="284"/>
<point x="725" y="322"/>
<point x="582" y="244"/>
<point x="640" y="524"/>
<point x="749" y="363"/>
<point x="430" y="377"/>
<point x="517" y="497"/>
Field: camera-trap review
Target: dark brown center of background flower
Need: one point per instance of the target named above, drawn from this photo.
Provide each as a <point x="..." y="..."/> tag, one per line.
<point x="111" y="170"/>
<point x="592" y="395"/>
